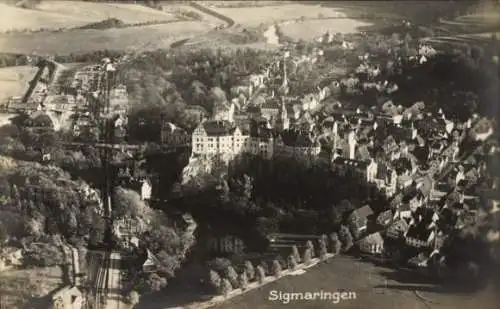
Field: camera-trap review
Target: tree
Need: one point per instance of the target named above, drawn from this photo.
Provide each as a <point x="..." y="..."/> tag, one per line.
<point x="215" y="280"/>
<point x="220" y="264"/>
<point x="296" y="253"/>
<point x="346" y="237"/>
<point x="231" y="275"/>
<point x="310" y="246"/>
<point x="156" y="282"/>
<point x="129" y="204"/>
<point x="226" y="287"/>
<point x="133" y="298"/>
<point x="292" y="262"/>
<point x="322" y="248"/>
<point x="35" y="225"/>
<point x="261" y="274"/>
<point x="335" y="243"/>
<point x="276" y="269"/>
<point x="243" y="281"/>
<point x="307" y="256"/>
<point x="249" y="270"/>
<point x="42" y="255"/>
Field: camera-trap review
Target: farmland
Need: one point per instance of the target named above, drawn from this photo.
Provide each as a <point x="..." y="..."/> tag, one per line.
<point x="375" y="287"/>
<point x="14" y="80"/>
<point x="254" y="16"/>
<point x="70" y="14"/>
<point x="310" y="29"/>
<point x="81" y="41"/>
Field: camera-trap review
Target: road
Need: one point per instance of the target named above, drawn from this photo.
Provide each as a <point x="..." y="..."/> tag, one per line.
<point x="114" y="298"/>
<point x="375" y="287"/>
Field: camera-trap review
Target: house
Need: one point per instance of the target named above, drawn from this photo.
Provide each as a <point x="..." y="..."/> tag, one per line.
<point x="386" y="179"/>
<point x="219" y="137"/>
<point x="420" y="236"/>
<point x="270" y="110"/>
<point x="414" y="200"/>
<point x="385" y="218"/>
<point x="426" y="216"/>
<point x="151" y="263"/>
<point x="68" y="298"/>
<point x="403" y="211"/>
<point x="297" y="144"/>
<point x="146" y="188"/>
<point x="366" y="171"/>
<point x="372" y="244"/>
<point x="397" y="229"/>
<point x="358" y="220"/>
<point x="404" y="181"/>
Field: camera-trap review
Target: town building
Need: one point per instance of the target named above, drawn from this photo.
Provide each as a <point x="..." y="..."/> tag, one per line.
<point x="68" y="298"/>
<point x="372" y="244"/>
<point x="420" y="236"/>
<point x="358" y="220"/>
<point x="366" y="171"/>
<point x="297" y="144"/>
<point x="397" y="229"/>
<point x="217" y="137"/>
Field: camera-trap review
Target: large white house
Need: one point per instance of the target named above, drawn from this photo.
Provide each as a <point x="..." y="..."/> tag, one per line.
<point x="218" y="137"/>
<point x="214" y="137"/>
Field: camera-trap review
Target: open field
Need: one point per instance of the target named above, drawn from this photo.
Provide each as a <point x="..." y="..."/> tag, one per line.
<point x="70" y="14"/>
<point x="311" y="29"/>
<point x="81" y="41"/>
<point x="375" y="287"/>
<point x="14" y="80"/>
<point x="174" y="9"/>
<point x="254" y="16"/>
<point x="19" y="287"/>
<point x="248" y="3"/>
<point x="416" y="11"/>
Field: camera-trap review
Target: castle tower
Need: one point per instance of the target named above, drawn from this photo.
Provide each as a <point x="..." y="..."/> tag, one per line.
<point x="351" y="142"/>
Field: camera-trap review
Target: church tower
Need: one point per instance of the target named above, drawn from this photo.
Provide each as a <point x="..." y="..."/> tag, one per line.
<point x="351" y="143"/>
<point x="284" y="86"/>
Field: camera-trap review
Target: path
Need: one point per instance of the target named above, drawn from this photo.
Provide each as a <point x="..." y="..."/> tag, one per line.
<point x="227" y="20"/>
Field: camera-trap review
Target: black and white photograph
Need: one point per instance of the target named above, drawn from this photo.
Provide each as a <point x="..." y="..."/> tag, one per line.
<point x="249" y="154"/>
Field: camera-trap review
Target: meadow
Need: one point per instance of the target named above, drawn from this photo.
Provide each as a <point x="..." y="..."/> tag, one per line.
<point x="71" y="14"/>
<point x="14" y="80"/>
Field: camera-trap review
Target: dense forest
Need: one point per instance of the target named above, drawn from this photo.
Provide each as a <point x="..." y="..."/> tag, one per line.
<point x="256" y="197"/>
